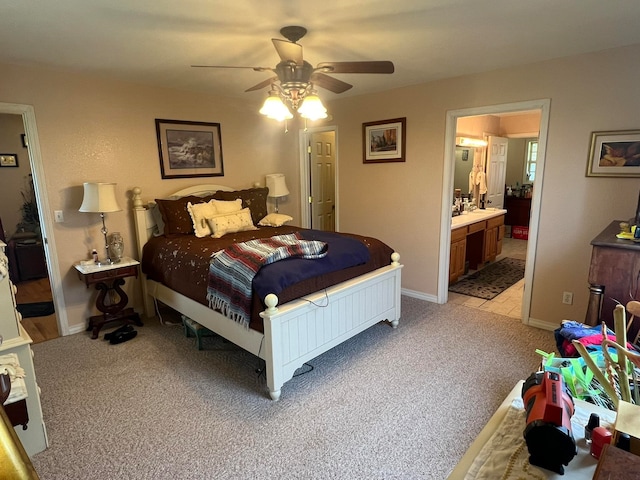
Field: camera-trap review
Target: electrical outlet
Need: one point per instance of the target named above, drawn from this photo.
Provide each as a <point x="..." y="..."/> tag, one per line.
<point x="59" y="216"/>
<point x="567" y="298"/>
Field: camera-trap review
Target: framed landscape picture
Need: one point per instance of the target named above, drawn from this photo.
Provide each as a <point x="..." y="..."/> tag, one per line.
<point x="384" y="141"/>
<point x="189" y="149"/>
<point x="614" y="154"/>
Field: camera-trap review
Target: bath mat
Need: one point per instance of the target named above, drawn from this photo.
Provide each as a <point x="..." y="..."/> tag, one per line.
<point x="36" y="309"/>
<point x="492" y="280"/>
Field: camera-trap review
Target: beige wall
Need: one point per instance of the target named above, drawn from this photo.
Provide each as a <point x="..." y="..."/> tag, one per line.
<point x="12" y="180"/>
<point x="94" y="129"/>
<point x="401" y="202"/>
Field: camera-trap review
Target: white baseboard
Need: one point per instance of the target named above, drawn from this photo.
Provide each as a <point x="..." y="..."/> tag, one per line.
<point x="534" y="322"/>
<point x="76" y="329"/>
<point x="419" y="295"/>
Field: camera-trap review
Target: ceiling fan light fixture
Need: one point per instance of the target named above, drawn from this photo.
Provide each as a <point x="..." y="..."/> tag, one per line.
<point x="312" y="107"/>
<point x="274" y="107"/>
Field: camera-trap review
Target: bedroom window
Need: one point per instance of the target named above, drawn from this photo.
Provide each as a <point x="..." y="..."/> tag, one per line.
<point x="532" y="158"/>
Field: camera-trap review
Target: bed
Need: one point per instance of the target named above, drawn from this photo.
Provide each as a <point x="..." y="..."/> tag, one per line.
<point x="290" y="333"/>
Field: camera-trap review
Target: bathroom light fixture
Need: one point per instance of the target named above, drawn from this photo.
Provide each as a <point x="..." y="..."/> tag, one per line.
<point x="470" y="142"/>
<point x="100" y="198"/>
<point x="277" y="187"/>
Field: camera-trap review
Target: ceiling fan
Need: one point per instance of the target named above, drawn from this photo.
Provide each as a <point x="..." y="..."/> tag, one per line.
<point x="295" y="78"/>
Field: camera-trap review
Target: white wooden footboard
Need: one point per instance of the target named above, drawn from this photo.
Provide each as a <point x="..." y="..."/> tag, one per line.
<point x="303" y="329"/>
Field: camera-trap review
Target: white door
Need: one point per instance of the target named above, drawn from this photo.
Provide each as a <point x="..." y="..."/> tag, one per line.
<point x="496" y="172"/>
<point x="323" y="179"/>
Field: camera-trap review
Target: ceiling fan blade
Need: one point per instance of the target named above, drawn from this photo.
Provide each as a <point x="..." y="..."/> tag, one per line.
<point x="288" y="51"/>
<point x="257" y="69"/>
<point x="332" y="84"/>
<point x="357" y="67"/>
<point x="262" y="84"/>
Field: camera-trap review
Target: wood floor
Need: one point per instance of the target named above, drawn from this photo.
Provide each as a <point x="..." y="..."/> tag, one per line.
<point x="39" y="329"/>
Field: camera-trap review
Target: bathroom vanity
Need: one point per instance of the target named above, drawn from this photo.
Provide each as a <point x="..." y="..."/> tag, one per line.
<point x="475" y="238"/>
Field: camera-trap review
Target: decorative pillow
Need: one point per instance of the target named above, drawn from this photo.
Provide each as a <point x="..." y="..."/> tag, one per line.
<point x="199" y="213"/>
<point x="253" y="198"/>
<point x="157" y="218"/>
<point x="231" y="223"/>
<point x="175" y="216"/>
<point x="227" y="206"/>
<point x="275" y="220"/>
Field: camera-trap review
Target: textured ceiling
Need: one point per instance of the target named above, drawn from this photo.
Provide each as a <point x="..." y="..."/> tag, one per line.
<point x="156" y="41"/>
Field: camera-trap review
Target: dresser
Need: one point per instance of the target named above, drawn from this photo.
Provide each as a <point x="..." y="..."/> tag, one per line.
<point x="15" y="340"/>
<point x="614" y="274"/>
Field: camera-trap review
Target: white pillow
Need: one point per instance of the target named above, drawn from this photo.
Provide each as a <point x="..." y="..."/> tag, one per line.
<point x="227" y="206"/>
<point x="199" y="213"/>
<point x="275" y="220"/>
<point x="231" y="223"/>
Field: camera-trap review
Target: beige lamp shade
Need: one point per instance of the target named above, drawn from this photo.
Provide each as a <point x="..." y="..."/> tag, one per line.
<point x="277" y="185"/>
<point x="99" y="198"/>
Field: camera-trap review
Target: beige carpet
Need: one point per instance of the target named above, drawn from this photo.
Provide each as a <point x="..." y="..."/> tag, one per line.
<point x="388" y="404"/>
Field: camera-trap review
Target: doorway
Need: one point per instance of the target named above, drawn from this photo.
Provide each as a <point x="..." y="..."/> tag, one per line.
<point x="318" y="171"/>
<point x="34" y="159"/>
<point x="542" y="106"/>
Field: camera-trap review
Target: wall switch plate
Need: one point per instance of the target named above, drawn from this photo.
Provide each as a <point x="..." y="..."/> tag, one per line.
<point x="58" y="216"/>
<point x="567" y="298"/>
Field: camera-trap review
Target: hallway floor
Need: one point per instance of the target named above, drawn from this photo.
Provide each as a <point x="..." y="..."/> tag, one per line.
<point x="40" y="329"/>
<point x="509" y="302"/>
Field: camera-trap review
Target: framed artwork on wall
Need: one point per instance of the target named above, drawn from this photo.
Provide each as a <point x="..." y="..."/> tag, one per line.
<point x="8" y="160"/>
<point x="614" y="154"/>
<point x="189" y="149"/>
<point x="384" y="141"/>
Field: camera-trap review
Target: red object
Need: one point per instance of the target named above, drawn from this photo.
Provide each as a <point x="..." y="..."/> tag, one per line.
<point x="600" y="436"/>
<point x="521" y="233"/>
<point x="549" y="408"/>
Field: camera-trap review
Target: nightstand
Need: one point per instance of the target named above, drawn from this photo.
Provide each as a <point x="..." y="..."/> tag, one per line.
<point x="108" y="278"/>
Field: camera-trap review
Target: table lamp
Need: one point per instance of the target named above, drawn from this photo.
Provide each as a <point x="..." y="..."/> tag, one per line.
<point x="100" y="198"/>
<point x="277" y="186"/>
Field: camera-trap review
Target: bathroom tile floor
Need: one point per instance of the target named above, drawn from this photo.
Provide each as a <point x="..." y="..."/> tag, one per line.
<point x="509" y="302"/>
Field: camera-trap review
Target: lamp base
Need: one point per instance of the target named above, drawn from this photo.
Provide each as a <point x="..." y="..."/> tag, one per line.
<point x="107" y="261"/>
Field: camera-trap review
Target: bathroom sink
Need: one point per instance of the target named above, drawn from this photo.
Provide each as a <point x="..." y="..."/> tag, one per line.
<point x="484" y="210"/>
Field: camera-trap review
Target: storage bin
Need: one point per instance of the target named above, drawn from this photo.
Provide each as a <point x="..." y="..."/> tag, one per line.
<point x="521" y="233"/>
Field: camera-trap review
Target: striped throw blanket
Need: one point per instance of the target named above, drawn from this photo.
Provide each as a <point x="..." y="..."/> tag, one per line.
<point x="231" y="271"/>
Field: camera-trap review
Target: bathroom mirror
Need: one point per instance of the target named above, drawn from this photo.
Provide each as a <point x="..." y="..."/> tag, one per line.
<point x="463" y="165"/>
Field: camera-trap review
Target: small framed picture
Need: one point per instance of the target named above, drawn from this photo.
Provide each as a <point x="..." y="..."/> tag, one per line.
<point x="384" y="141"/>
<point x="614" y="154"/>
<point x="8" y="160"/>
<point x="189" y="149"/>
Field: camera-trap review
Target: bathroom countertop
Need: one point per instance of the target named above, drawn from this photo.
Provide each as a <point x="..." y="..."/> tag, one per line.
<point x="477" y="215"/>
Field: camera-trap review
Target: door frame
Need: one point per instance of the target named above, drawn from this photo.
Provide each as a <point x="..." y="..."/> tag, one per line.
<point x="543" y="105"/>
<point x="44" y="211"/>
<point x="305" y="174"/>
